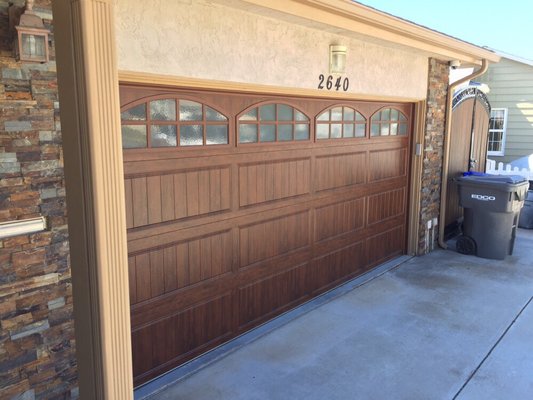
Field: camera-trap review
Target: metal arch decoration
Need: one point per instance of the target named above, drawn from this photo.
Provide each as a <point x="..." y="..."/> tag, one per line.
<point x="468" y="93"/>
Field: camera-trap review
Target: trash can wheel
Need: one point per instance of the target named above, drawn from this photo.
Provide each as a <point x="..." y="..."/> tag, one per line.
<point x="466" y="245"/>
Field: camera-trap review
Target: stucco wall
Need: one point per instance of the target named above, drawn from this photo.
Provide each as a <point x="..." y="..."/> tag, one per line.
<point x="209" y="41"/>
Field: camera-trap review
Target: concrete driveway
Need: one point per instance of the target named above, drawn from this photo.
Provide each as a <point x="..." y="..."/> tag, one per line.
<point x="441" y="326"/>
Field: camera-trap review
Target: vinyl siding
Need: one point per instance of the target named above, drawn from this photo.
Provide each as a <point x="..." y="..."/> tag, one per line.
<point x="511" y="87"/>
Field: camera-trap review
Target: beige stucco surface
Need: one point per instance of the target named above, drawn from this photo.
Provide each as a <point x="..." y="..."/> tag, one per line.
<point x="198" y="39"/>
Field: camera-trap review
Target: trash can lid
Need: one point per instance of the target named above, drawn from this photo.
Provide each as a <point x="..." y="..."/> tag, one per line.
<point x="493" y="178"/>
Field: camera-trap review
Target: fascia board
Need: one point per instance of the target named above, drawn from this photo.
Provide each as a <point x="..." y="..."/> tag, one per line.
<point x="350" y="17"/>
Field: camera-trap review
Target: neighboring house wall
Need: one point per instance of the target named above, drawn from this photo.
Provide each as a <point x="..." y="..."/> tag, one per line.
<point x="511" y="88"/>
<point x="37" y="352"/>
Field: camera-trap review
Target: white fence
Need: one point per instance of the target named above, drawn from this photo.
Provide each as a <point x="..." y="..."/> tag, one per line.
<point x="507" y="169"/>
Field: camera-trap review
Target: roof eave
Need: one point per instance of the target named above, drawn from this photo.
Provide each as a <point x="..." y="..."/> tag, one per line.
<point x="512" y="57"/>
<point x="350" y="17"/>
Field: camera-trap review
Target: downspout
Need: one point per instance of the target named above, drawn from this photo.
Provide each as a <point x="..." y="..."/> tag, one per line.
<point x="446" y="155"/>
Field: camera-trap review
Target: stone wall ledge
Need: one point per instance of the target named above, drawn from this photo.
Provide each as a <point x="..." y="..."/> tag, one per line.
<point x="17" y="103"/>
<point x="28" y="284"/>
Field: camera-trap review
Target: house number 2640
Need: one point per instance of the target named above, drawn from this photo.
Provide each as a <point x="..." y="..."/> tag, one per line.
<point x="330" y="83"/>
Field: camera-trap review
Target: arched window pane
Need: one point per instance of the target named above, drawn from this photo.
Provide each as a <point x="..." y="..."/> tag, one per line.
<point x="137" y="113"/>
<point x="393" y="129"/>
<point x="267" y="133"/>
<point x="349" y="114"/>
<point x="375" y="130"/>
<point x="190" y="111"/>
<point x="360" y="130"/>
<point x="212" y="115"/>
<point x="163" y="135"/>
<point x="163" y="110"/>
<point x="336" y="114"/>
<point x="217" y="134"/>
<point x="284" y="112"/>
<point x="322" y="131"/>
<point x="276" y="123"/>
<point x="301" y="132"/>
<point x="285" y="132"/>
<point x="133" y="136"/>
<point x="248" y="133"/>
<point x="267" y="112"/>
<point x="388" y="122"/>
<point x="340" y="122"/>
<point x="348" y="130"/>
<point x="250" y="115"/>
<point x="336" y="131"/>
<point x="300" y="116"/>
<point x="324" y="116"/>
<point x="209" y="126"/>
<point x="191" y="135"/>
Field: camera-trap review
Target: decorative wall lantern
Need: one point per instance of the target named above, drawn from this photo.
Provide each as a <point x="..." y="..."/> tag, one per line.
<point x="337" y="59"/>
<point x="31" y="37"/>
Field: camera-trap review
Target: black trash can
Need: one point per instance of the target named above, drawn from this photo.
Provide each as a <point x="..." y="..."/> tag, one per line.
<point x="492" y="205"/>
<point x="526" y="215"/>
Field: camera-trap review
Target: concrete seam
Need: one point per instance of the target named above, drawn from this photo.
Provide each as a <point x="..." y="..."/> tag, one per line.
<point x="474" y="372"/>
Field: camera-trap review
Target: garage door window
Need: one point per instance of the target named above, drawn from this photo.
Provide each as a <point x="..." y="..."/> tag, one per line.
<point x="340" y="122"/>
<point x="388" y="122"/>
<point x="172" y="122"/>
<point x="273" y="123"/>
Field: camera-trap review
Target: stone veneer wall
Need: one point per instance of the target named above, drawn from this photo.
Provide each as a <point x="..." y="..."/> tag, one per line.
<point x="37" y="352"/>
<point x="438" y="75"/>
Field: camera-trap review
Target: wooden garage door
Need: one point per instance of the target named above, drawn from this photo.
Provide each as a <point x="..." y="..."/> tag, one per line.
<point x="241" y="206"/>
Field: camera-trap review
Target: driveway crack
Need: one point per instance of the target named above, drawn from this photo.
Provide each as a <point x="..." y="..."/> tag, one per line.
<point x="492" y="349"/>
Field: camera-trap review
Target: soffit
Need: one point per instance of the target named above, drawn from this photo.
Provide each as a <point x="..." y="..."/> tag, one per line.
<point x="348" y="18"/>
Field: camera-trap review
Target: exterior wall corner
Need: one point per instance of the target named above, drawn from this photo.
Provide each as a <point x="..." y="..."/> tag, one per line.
<point x="37" y="344"/>
<point x="438" y="75"/>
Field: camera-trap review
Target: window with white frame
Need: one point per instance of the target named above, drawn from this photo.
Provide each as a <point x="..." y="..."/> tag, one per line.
<point x="497" y="130"/>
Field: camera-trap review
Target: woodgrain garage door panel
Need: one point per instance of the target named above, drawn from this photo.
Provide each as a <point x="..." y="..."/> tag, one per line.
<point x="384" y="245"/>
<point x="330" y="269"/>
<point x="386" y="164"/>
<point x="223" y="237"/>
<point x="343" y="240"/>
<point x="272" y="238"/>
<point x="165" y="269"/>
<point x="386" y="205"/>
<point x="268" y="181"/>
<point x="181" y="335"/>
<point x="340" y="170"/>
<point x="160" y="198"/>
<point x="268" y="296"/>
<point x="339" y="218"/>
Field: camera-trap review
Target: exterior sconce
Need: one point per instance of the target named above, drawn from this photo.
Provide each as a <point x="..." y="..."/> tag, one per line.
<point x="337" y="59"/>
<point x="31" y="37"/>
